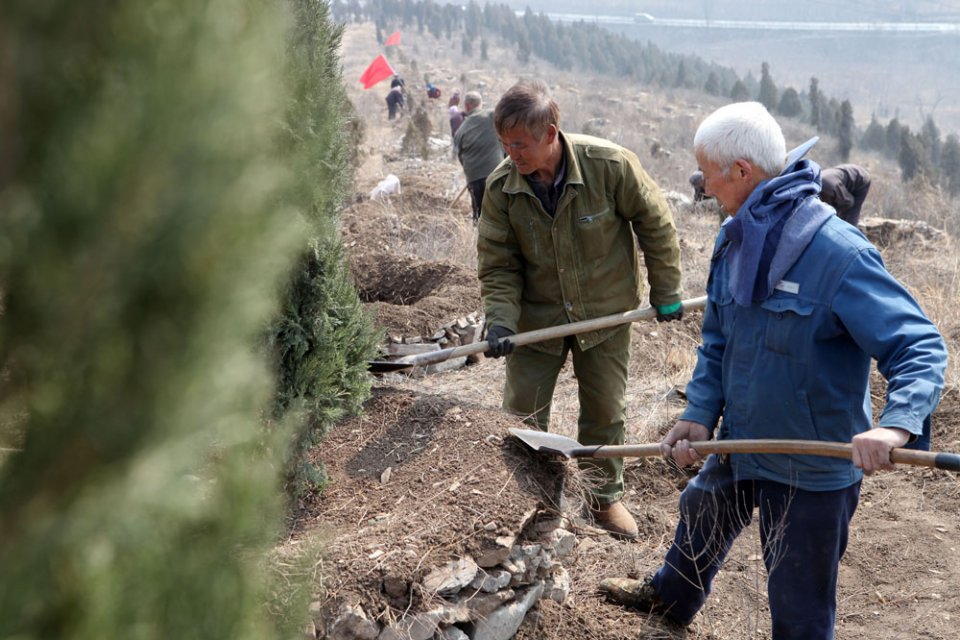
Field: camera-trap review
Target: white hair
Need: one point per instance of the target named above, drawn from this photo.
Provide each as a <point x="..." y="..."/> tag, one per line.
<point x="742" y="130"/>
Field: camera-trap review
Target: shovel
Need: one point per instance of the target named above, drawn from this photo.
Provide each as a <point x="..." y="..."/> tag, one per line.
<point x="528" y="337"/>
<point x="555" y="444"/>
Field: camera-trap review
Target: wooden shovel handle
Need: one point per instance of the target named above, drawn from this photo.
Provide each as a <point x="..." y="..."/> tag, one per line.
<point x="937" y="460"/>
<point x="549" y="333"/>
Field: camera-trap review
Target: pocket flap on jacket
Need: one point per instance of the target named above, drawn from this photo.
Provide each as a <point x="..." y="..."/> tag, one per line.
<point x="791" y="304"/>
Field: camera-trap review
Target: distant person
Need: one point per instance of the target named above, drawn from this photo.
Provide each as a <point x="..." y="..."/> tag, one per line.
<point x="456" y="119"/>
<point x="558" y="237"/>
<point x="477" y="147"/>
<point x="397" y="81"/>
<point x="394" y="102"/>
<point x="454" y="99"/>
<point x="844" y="187"/>
<point x="798" y="305"/>
<point x="433" y="91"/>
<point x="696" y="181"/>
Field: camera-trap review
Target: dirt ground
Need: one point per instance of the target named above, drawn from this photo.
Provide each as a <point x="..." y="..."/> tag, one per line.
<point x="428" y="471"/>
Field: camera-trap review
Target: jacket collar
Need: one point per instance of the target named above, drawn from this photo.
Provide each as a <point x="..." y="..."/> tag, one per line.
<point x="516" y="183"/>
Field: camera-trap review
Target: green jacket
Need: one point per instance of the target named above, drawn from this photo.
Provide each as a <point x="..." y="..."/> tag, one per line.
<point x="536" y="271"/>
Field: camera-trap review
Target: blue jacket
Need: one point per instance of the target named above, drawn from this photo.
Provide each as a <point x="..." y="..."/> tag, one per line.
<point x="797" y="364"/>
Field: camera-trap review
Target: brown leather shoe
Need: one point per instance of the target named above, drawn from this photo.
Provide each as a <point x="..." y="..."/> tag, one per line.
<point x="615" y="518"/>
<point x="639" y="595"/>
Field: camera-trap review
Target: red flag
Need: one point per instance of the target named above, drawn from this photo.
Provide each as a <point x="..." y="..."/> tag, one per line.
<point x="394" y="39"/>
<point x="378" y="70"/>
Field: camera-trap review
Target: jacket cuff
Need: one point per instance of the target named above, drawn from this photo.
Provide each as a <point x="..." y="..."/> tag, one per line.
<point x="902" y="419"/>
<point x="701" y="416"/>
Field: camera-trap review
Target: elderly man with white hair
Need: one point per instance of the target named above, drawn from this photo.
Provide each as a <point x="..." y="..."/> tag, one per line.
<point x="799" y="302"/>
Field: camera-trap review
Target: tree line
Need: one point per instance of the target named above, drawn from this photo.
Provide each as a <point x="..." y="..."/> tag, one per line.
<point x="587" y="47"/>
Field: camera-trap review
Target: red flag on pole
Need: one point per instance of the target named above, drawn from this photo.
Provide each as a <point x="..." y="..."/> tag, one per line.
<point x="378" y="70"/>
<point x="393" y="40"/>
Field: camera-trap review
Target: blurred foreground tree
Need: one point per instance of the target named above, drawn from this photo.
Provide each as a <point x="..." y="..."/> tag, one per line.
<point x="153" y="200"/>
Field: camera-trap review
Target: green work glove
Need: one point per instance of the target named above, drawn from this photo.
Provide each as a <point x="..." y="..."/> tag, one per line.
<point x="668" y="312"/>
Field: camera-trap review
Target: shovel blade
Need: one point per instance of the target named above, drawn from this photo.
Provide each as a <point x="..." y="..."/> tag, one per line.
<point x="545" y="442"/>
<point x="387" y="366"/>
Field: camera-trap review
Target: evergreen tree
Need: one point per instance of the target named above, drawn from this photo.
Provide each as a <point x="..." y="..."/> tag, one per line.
<point x="815" y="103"/>
<point x="894" y="138"/>
<point x="713" y="84"/>
<point x="484" y="54"/>
<point x="875" y="137"/>
<point x="681" y="80"/>
<point x="320" y="342"/>
<point x="768" y="90"/>
<point x="739" y="92"/>
<point x="845" y="131"/>
<point x="148" y="217"/>
<point x="930" y="138"/>
<point x="790" y="105"/>
<point x="911" y="156"/>
<point x="950" y="164"/>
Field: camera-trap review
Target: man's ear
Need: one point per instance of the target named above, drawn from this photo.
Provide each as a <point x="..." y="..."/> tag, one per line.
<point x="743" y="169"/>
<point x="551" y="134"/>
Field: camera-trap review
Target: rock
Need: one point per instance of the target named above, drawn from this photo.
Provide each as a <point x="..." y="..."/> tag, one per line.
<point x="424" y="626"/>
<point x="352" y="623"/>
<point x="491" y="582"/>
<point x="453" y="577"/>
<point x="453" y="633"/>
<point x="885" y="232"/>
<point x="558" y="587"/>
<point x="495" y="552"/>
<point x="481" y="606"/>
<point x="503" y="623"/>
<point x="561" y="542"/>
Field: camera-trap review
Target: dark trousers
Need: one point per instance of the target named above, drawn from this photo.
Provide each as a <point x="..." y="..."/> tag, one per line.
<point x="476" y="195"/>
<point x="803" y="535"/>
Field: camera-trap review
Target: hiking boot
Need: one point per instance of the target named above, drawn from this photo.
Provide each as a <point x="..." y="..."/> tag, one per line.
<point x="615" y="518"/>
<point x="639" y="595"/>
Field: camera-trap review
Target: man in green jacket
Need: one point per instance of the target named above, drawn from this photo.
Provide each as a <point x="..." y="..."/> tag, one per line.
<point x="557" y="244"/>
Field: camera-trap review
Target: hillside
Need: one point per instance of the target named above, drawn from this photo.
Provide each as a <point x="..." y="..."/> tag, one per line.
<point x="425" y="485"/>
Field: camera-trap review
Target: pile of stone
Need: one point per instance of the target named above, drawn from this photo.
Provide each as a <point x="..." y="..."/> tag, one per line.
<point x="462" y="331"/>
<point x="470" y="598"/>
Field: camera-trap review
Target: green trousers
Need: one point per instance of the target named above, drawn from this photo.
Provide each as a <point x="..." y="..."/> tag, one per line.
<point x="601" y="373"/>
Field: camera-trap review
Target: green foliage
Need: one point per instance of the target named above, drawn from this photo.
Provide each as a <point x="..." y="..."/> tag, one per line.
<point x="320" y="342"/>
<point x="894" y="138"/>
<point x="790" y="105"/>
<point x="845" y="131"/>
<point x="142" y="244"/>
<point x="739" y="92"/>
<point x="950" y="164"/>
<point x="815" y="99"/>
<point x="875" y="137"/>
<point x="912" y="158"/>
<point x="768" y="90"/>
<point x="712" y="85"/>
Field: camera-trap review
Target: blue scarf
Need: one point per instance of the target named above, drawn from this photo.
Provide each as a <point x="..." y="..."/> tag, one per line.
<point x="771" y="230"/>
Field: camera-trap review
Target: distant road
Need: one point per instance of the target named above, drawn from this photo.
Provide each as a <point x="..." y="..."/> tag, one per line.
<point x="652" y="21"/>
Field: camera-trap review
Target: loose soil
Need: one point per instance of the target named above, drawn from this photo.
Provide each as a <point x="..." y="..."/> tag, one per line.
<point x="428" y="470"/>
